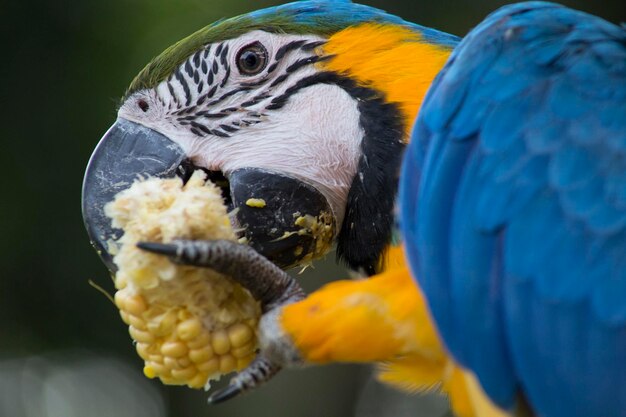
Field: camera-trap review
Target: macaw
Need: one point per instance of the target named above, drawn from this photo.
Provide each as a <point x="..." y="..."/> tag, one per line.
<point x="311" y="105"/>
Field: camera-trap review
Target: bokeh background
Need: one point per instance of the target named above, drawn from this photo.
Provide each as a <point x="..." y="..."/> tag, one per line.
<point x="63" y="348"/>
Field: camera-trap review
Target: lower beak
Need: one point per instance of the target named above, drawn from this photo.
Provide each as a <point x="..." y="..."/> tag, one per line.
<point x="126" y="151"/>
<point x="286" y="220"/>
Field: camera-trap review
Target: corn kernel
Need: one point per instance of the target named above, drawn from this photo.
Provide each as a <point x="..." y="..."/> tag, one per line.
<point x="203" y="340"/>
<point x="227" y="364"/>
<point x="120" y="300"/>
<point x="135" y="305"/>
<point x="243" y="362"/>
<point x="149" y="372"/>
<point x="242" y="351"/>
<point x="199" y="380"/>
<point x="158" y="368"/>
<point x="163" y="325"/>
<point x="156" y="357"/>
<point x="125" y="317"/>
<point x="137" y="322"/>
<point x="142" y="350"/>
<point x="189" y="329"/>
<point x="211" y="366"/>
<point x="184" y="374"/>
<point x="174" y="349"/>
<point x="171" y="381"/>
<point x="201" y="355"/>
<point x="140" y="335"/>
<point x="220" y="342"/>
<point x="239" y="334"/>
<point x="184" y="314"/>
<point x="171" y="363"/>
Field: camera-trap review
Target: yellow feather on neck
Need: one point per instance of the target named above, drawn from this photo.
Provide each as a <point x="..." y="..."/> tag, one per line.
<point x="392" y="59"/>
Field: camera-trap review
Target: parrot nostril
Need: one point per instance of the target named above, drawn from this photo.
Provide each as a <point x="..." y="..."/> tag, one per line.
<point x="143" y="105"/>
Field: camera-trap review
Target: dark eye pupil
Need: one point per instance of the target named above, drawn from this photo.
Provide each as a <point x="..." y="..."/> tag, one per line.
<point x="251" y="59"/>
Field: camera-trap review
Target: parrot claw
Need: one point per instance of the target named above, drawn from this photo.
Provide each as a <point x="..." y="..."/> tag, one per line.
<point x="259" y="371"/>
<point x="267" y="283"/>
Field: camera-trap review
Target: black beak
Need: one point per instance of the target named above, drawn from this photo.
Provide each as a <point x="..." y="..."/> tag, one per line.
<point x="126" y="151"/>
<point x="282" y="218"/>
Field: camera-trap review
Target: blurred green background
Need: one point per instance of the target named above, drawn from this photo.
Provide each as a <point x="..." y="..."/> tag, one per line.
<point x="63" y="349"/>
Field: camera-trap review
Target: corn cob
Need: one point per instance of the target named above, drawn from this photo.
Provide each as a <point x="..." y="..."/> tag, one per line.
<point x="190" y="325"/>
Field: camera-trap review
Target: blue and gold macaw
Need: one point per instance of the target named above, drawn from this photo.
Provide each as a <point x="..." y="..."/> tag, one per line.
<point x="512" y="202"/>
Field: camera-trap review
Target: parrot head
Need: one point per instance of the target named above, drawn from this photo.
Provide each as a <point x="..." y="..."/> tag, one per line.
<point x="292" y="110"/>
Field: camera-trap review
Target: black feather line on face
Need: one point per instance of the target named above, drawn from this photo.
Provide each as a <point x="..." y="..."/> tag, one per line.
<point x="368" y="222"/>
<point x="367" y="226"/>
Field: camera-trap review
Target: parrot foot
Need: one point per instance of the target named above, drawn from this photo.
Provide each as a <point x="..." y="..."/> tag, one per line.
<point x="267" y="283"/>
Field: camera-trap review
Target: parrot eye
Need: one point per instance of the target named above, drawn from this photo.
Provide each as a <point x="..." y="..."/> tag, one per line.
<point x="143" y="105"/>
<point x="251" y="59"/>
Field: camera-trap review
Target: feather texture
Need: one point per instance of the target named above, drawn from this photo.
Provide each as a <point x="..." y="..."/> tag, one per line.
<point x="314" y="17"/>
<point x="513" y="197"/>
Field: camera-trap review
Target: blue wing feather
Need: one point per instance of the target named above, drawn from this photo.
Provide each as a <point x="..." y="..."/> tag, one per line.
<point x="513" y="208"/>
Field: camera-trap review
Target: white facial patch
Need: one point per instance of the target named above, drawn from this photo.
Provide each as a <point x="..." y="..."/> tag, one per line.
<point x="280" y="119"/>
<point x="315" y="137"/>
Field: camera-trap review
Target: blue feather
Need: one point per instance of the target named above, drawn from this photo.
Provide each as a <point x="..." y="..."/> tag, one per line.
<point x="344" y="13"/>
<point x="514" y="209"/>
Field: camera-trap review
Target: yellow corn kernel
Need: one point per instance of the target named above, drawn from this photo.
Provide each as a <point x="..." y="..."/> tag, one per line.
<point x="184" y="362"/>
<point x="163" y="325"/>
<point x="158" y="358"/>
<point x="149" y="372"/>
<point x="243" y="362"/>
<point x="142" y="350"/>
<point x="243" y="351"/>
<point x="220" y="342"/>
<point x="211" y="366"/>
<point x="135" y="305"/>
<point x="189" y="329"/>
<point x="227" y="364"/>
<point x="157" y="368"/>
<point x="199" y="380"/>
<point x="171" y="363"/>
<point x="239" y="334"/>
<point x="125" y="317"/>
<point x="255" y="202"/>
<point x="184" y="314"/>
<point x="201" y="355"/>
<point x="144" y="278"/>
<point x="120" y="300"/>
<point x="171" y="381"/>
<point x="203" y="340"/>
<point x="140" y="335"/>
<point x="184" y="374"/>
<point x="174" y="349"/>
<point x="137" y="322"/>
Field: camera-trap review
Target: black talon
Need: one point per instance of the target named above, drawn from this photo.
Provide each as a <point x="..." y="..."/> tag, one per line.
<point x="159" y="248"/>
<point x="224" y="394"/>
<point x="259" y="371"/>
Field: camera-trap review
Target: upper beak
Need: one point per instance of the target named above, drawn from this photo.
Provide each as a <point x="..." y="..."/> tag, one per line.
<point x="126" y="151"/>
